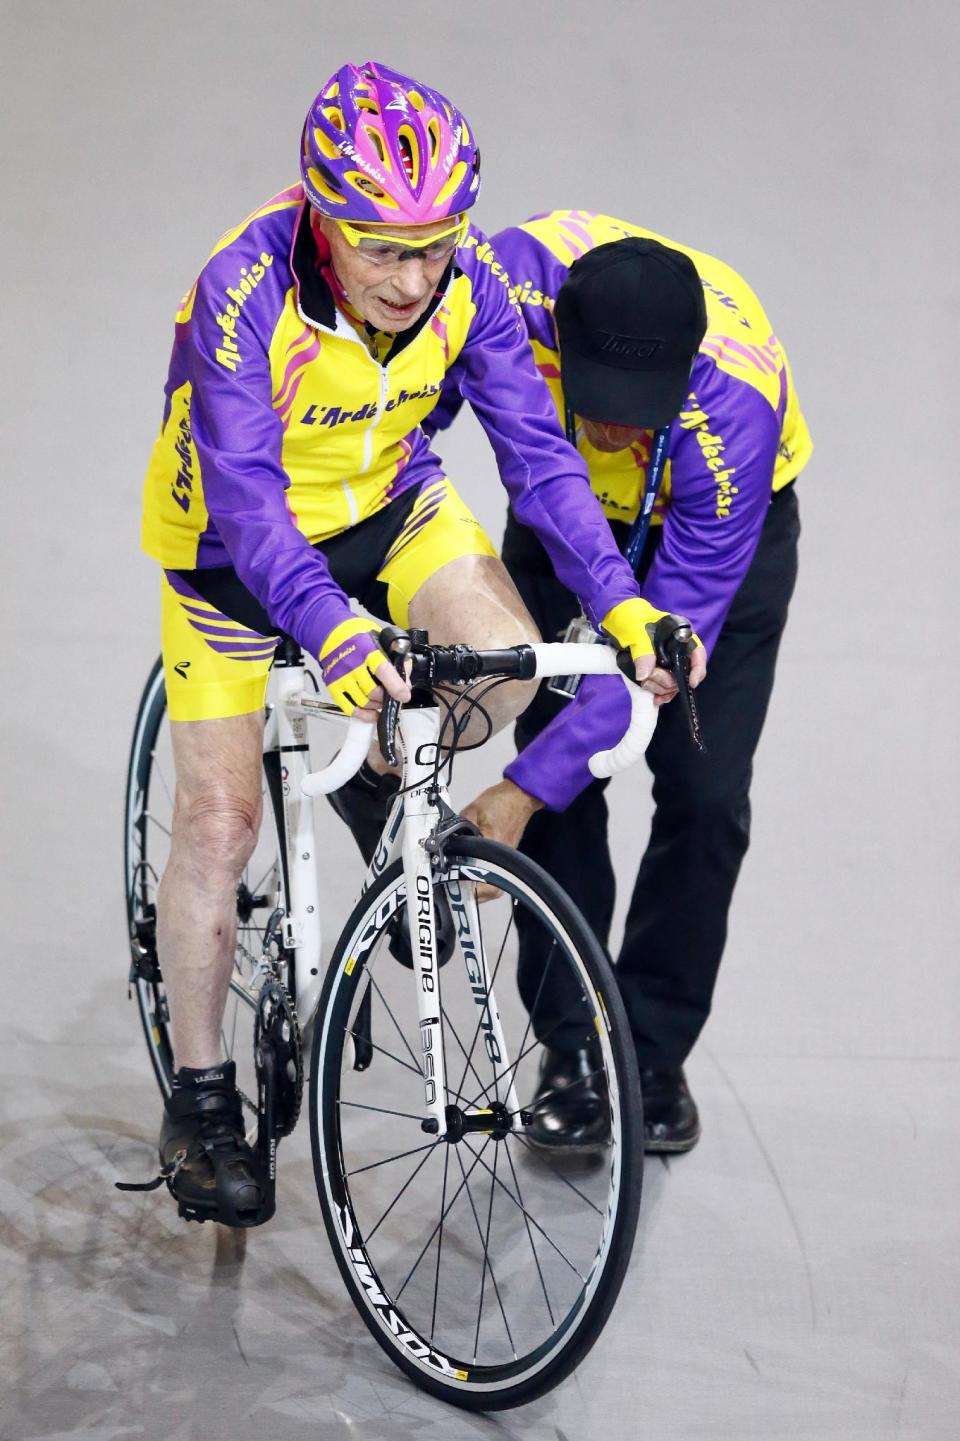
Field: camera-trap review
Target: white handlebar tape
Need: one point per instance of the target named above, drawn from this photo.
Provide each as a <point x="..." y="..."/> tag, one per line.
<point x="566" y="658"/>
<point x="643" y="721"/>
<point x="573" y="658"/>
<point x="345" y="763"/>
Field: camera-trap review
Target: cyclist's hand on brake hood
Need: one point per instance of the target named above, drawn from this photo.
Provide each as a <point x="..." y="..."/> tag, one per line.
<point x="632" y="623"/>
<point x="355" y="670"/>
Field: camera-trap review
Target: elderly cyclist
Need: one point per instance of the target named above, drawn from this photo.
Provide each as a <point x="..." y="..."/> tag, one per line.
<point x="291" y="472"/>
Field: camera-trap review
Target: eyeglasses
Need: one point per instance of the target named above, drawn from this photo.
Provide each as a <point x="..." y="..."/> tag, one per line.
<point x="387" y="251"/>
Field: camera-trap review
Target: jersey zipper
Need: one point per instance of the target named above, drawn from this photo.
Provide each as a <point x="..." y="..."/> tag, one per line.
<point x="368" y="433"/>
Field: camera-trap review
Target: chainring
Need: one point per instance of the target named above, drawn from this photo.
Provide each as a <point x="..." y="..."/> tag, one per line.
<point x="277" y="1024"/>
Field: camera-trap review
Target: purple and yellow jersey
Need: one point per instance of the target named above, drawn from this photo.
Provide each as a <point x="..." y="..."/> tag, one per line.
<point x="282" y="426"/>
<point x="740" y="436"/>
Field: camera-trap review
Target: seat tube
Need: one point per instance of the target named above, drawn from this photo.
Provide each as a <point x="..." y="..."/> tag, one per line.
<point x="302" y="926"/>
<point x="420" y="729"/>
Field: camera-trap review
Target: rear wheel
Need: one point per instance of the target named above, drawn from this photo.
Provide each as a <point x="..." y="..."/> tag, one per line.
<point x="483" y="1265"/>
<point x="147" y="831"/>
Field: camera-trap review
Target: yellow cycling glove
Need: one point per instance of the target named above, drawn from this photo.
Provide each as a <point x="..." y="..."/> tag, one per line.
<point x="348" y="658"/>
<point x="632" y="623"/>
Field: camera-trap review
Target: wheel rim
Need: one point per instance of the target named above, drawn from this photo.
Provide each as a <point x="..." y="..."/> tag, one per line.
<point x="478" y="1261"/>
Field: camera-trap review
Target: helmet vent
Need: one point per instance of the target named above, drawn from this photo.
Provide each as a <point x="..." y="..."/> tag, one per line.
<point x="366" y="186"/>
<point x="376" y="140"/>
<point x="325" y="184"/>
<point x="409" y="154"/>
<point x="325" y="145"/>
<point x="456" y="180"/>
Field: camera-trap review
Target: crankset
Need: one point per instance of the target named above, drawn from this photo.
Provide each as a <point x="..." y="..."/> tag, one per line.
<point x="278" y="1056"/>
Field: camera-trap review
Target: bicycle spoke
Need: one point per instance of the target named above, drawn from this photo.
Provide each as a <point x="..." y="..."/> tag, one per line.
<point x="393" y="1018"/>
<point x="414" y="1173"/>
<point x="483" y="1273"/>
<point x="526" y="1222"/>
<point x="458" y="1095"/>
<point x="388" y="1160"/>
<point x="149" y="816"/>
<point x="539" y="1041"/>
<point x="255" y="890"/>
<point x="362" y="1106"/>
<point x="538" y="1153"/>
<point x="367" y="1041"/>
<point x="443" y="1215"/>
<point x="157" y="769"/>
<point x="487" y="1263"/>
<point x="436" y="1278"/>
<point x="555" y="1090"/>
<point x="533" y="1220"/>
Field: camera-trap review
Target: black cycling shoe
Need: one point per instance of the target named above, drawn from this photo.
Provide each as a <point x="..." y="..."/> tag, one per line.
<point x="671" y="1122"/>
<point x="363" y="804"/>
<point x="571" y="1109"/>
<point x="212" y="1171"/>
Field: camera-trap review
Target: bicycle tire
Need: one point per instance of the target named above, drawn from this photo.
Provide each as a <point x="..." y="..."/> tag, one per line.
<point x="464" y="1382"/>
<point x="149" y="786"/>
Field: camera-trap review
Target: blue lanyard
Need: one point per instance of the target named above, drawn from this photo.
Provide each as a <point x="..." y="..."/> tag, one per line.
<point x="633" y="549"/>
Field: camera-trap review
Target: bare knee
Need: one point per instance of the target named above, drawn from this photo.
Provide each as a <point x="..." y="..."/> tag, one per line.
<point x="215" y="831"/>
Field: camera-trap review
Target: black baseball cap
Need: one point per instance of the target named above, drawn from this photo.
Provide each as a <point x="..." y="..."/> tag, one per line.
<point x="630" y="318"/>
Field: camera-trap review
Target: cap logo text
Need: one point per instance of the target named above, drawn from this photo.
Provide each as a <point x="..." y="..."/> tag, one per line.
<point x="630" y="345"/>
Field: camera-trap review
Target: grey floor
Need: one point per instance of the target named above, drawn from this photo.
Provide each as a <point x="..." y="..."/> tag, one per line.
<point x="797" y="1275"/>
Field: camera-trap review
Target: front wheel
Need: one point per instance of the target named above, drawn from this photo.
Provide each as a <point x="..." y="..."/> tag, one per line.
<point x="483" y="1264"/>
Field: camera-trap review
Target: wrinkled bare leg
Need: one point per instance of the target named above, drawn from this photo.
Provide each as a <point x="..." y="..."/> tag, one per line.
<point x="216" y="821"/>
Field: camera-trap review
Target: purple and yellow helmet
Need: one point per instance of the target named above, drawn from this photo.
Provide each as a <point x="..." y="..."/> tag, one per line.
<point x="378" y="147"/>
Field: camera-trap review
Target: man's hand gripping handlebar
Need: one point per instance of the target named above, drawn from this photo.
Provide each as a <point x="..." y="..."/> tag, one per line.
<point x="674" y="644"/>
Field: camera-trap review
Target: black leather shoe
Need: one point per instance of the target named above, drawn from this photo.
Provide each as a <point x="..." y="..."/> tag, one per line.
<point x="671" y="1121"/>
<point x="216" y="1174"/>
<point x="363" y="804"/>
<point x="571" y="1110"/>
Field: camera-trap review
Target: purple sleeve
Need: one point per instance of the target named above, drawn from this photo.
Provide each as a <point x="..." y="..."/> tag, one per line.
<point x="238" y="437"/>
<point x="553" y="767"/>
<point x="721" y="468"/>
<point x="535" y="278"/>
<point x="545" y="478"/>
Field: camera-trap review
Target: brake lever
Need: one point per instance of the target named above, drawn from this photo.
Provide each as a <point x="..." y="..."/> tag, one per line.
<point x="673" y="644"/>
<point x="397" y="645"/>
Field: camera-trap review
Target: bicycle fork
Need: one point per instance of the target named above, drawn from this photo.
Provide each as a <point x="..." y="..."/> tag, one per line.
<point x="445" y="1111"/>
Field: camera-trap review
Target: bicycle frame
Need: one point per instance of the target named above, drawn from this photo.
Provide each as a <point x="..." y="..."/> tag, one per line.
<point x="410" y="824"/>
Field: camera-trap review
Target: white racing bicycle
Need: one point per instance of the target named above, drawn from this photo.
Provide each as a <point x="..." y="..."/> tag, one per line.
<point x="483" y="1263"/>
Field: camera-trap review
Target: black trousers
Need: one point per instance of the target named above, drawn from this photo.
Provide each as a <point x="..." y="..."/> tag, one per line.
<point x="676" y="925"/>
